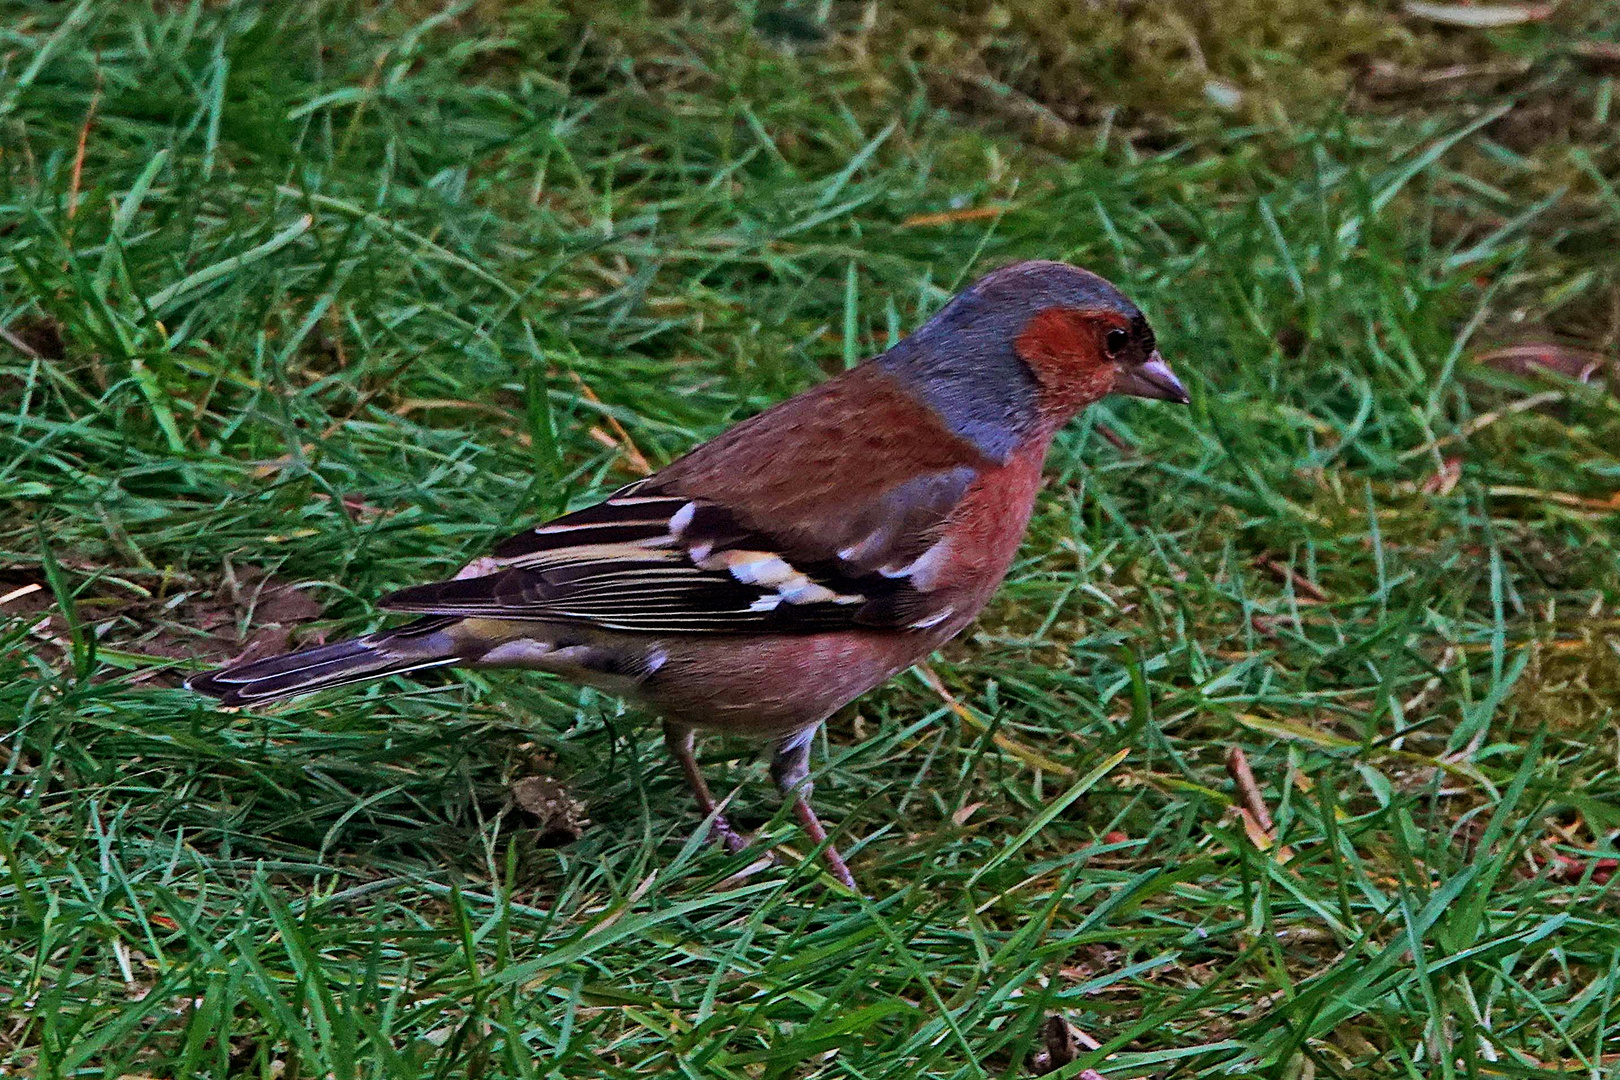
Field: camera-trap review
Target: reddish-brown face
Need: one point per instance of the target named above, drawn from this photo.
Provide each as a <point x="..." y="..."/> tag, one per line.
<point x="1080" y="356"/>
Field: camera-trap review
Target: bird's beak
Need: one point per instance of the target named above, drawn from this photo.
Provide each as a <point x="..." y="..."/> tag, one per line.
<point x="1152" y="379"/>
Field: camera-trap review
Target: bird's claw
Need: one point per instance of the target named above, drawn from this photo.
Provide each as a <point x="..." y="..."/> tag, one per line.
<point x="735" y="842"/>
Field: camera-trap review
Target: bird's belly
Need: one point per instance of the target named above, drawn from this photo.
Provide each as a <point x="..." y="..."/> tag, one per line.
<point x="761" y="687"/>
<point x="768" y="687"/>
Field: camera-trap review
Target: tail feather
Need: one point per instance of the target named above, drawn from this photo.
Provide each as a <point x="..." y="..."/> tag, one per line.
<point x="410" y="648"/>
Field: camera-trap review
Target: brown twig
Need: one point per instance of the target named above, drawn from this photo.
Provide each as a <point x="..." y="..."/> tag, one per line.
<point x="1257" y="823"/>
<point x="1237" y="767"/>
<point x="1303" y="586"/>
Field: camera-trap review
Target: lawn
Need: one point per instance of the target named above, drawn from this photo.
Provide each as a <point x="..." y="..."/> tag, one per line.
<point x="301" y="303"/>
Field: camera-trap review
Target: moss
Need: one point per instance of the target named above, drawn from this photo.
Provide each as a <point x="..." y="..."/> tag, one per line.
<point x="1155" y="58"/>
<point x="1572" y="684"/>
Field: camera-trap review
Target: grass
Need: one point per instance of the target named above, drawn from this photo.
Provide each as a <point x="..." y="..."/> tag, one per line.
<point x="305" y="303"/>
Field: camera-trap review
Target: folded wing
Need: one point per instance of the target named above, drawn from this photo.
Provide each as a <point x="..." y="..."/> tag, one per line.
<point x="648" y="561"/>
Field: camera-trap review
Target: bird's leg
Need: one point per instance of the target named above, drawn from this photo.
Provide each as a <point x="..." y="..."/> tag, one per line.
<point x="680" y="739"/>
<point x="790" y="768"/>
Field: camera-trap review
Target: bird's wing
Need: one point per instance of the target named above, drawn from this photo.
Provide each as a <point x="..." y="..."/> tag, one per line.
<point x="792" y="522"/>
<point x="655" y="562"/>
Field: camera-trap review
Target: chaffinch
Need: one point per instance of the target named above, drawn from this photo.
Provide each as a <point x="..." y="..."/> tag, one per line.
<point x="798" y="560"/>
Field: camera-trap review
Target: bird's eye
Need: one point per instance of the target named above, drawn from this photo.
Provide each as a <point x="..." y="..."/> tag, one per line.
<point x="1114" y="341"/>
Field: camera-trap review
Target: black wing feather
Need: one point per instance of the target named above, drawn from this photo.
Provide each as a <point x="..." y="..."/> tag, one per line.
<point x="647" y="561"/>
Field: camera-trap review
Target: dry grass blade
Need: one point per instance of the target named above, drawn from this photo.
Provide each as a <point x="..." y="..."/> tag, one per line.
<point x="1582" y="365"/>
<point x="78" y="153"/>
<point x="20" y="592"/>
<point x="1028" y="755"/>
<point x="950" y="217"/>
<point x="1483" y="421"/>
<point x="1480" y="16"/>
<point x="634" y="459"/>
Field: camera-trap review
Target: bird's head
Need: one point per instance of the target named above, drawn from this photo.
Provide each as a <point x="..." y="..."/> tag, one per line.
<point x="1025" y="348"/>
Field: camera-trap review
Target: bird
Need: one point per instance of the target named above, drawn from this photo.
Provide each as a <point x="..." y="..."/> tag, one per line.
<point x="801" y="558"/>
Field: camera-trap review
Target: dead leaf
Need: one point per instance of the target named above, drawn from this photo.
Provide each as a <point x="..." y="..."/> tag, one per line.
<point x="283" y="604"/>
<point x="1445" y="478"/>
<point x="1257" y="833"/>
<point x="1061" y="1044"/>
<point x="177" y="618"/>
<point x="960" y="817"/>
<point x="1570" y="868"/>
<point x="273" y="608"/>
<point x="560" y="817"/>
<point x="1058" y="1046"/>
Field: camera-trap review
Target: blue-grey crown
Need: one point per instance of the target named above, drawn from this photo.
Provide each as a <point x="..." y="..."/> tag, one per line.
<point x="962" y="361"/>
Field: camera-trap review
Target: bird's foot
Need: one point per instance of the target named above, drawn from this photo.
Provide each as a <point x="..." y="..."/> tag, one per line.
<point x="829" y="854"/>
<point x="720" y="830"/>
